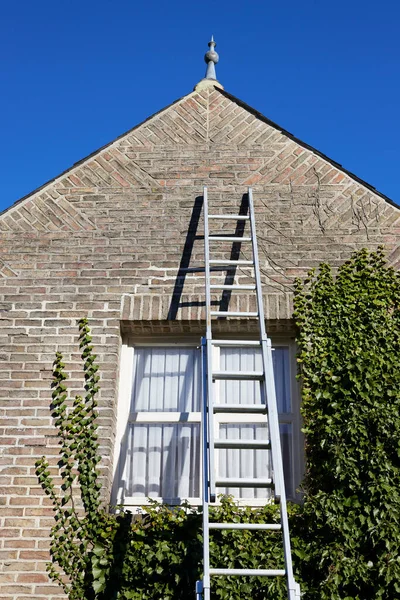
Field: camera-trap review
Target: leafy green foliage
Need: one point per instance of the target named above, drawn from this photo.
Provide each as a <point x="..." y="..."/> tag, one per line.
<point x="159" y="554"/>
<point x="76" y="527"/>
<point x="349" y="342"/>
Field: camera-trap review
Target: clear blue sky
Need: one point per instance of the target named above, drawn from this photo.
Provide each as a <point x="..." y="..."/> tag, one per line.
<point x="75" y="74"/>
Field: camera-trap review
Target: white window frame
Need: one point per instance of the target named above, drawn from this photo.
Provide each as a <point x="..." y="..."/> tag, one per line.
<point x="124" y="416"/>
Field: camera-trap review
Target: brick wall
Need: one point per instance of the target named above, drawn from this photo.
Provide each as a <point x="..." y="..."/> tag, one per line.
<point x="118" y="238"/>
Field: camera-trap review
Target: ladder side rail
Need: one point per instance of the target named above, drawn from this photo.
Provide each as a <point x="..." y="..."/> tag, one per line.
<point x="209" y="399"/>
<point x="203" y="587"/>
<point x="207" y="264"/>
<point x="260" y="306"/>
<point x="277" y="464"/>
<point x="210" y="423"/>
<point x="268" y="368"/>
<point x="273" y="421"/>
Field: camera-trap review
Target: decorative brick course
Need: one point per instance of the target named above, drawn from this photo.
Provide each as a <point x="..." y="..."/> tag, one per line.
<point x="118" y="238"/>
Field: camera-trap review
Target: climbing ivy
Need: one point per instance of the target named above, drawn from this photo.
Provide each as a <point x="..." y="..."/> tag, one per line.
<point x="349" y="356"/>
<point x="78" y="518"/>
<point x="158" y="555"/>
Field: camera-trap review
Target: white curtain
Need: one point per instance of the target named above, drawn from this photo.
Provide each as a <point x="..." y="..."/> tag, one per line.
<point x="254" y="463"/>
<point x="166" y="379"/>
<point x="163" y="460"/>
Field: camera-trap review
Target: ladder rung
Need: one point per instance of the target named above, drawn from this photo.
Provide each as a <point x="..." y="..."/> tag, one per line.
<point x="250" y="572"/>
<point x="257" y="409"/>
<point x="247" y="526"/>
<point x="248" y="343"/>
<point x="228" y="238"/>
<point x="232" y="287"/>
<point x="231" y="313"/>
<point x="244" y="482"/>
<point x="225" y="261"/>
<point x="231" y="217"/>
<point x="243" y="444"/>
<point x="253" y="375"/>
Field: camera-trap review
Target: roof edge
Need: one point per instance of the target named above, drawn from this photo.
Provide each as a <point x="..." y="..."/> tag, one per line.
<point x="265" y="119"/>
<point x="237" y="101"/>
<point x="94" y="153"/>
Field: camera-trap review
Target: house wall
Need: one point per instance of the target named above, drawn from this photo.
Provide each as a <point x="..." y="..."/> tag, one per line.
<point x="115" y="239"/>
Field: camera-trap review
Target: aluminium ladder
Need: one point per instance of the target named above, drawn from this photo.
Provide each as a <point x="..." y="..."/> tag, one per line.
<point x="268" y="406"/>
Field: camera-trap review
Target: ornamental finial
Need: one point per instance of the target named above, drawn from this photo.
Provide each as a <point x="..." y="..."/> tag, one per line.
<point x="211" y="58"/>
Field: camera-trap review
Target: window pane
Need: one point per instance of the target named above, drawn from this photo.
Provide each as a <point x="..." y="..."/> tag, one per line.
<point x="244" y="463"/>
<point x="254" y="463"/>
<point x="280" y="359"/>
<point x="162" y="461"/>
<point x="286" y="431"/>
<point x="166" y="379"/>
<point x="240" y="392"/>
<point x="248" y="392"/>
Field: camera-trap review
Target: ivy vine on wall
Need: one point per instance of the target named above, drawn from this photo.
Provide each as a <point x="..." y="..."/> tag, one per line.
<point x="349" y="355"/>
<point x="78" y="519"/>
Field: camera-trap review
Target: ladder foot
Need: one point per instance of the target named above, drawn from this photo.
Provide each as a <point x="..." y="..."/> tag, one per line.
<point x="199" y="590"/>
<point x="294" y="591"/>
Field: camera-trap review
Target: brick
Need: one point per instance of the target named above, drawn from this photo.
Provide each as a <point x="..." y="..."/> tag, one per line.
<point x="8" y="555"/>
<point x="32" y="578"/>
<point x="7" y="578"/>
<point x="33" y="555"/>
<point x="6" y="591"/>
<point x="17" y="544"/>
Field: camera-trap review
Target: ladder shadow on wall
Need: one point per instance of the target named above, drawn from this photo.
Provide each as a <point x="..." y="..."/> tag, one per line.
<point x="185" y="269"/>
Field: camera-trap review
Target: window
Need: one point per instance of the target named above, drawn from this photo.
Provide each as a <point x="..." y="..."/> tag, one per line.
<point x="158" y="446"/>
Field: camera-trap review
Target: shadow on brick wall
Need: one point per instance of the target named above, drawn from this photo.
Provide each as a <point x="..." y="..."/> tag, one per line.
<point x="184" y="266"/>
